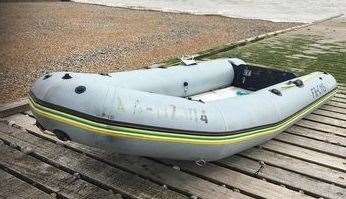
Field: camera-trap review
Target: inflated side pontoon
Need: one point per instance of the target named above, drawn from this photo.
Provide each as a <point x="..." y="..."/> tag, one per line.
<point x="206" y="111"/>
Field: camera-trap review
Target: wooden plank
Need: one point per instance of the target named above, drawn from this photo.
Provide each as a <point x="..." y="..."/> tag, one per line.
<point x="327" y="120"/>
<point x="47" y="176"/>
<point x="12" y="188"/>
<point x="334" y="109"/>
<point x="318" y="135"/>
<point x="322" y="127"/>
<point x="110" y="177"/>
<point x="296" y="165"/>
<point x="165" y="175"/>
<point x="341" y="87"/>
<point x="14" y="107"/>
<point x="342" y="91"/>
<point x="169" y="176"/>
<point x="338" y="99"/>
<point x="337" y="104"/>
<point x="306" y="154"/>
<point x="330" y="114"/>
<point x="244" y="183"/>
<point x="319" y="146"/>
<point x="281" y="176"/>
<point x="25" y="121"/>
<point x="340" y="95"/>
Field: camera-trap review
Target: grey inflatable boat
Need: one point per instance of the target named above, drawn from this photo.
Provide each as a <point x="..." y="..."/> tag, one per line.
<point x="205" y="111"/>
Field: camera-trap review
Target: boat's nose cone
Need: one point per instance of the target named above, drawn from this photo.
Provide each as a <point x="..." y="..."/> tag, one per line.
<point x="75" y="91"/>
<point x="52" y="82"/>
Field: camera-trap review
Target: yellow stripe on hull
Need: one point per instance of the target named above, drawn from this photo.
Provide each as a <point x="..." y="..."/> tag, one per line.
<point x="129" y="133"/>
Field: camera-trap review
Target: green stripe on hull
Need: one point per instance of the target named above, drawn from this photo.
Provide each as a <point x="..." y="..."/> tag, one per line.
<point x="132" y="133"/>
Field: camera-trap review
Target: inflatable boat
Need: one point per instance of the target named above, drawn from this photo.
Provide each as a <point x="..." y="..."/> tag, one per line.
<point x="206" y="110"/>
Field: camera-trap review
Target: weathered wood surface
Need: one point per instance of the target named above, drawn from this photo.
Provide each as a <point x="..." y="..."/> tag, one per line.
<point x="89" y="169"/>
<point x="12" y="188"/>
<point x="333" y="109"/>
<point x="308" y="143"/>
<point x="141" y="166"/>
<point x="327" y="120"/>
<point x="307" y="160"/>
<point x="47" y="177"/>
<point x="282" y="177"/>
<point x="306" y="154"/>
<point x="296" y="165"/>
<point x="337" y="104"/>
<point x="221" y="175"/>
<point x="339" y="99"/>
<point x="318" y="135"/>
<point x="340" y="95"/>
<point x="322" y="127"/>
<point x="331" y="114"/>
<point x="13" y="108"/>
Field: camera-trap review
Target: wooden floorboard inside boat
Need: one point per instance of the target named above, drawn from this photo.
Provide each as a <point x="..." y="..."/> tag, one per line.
<point x="305" y="161"/>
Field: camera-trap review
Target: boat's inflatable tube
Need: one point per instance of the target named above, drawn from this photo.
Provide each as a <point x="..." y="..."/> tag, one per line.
<point x="144" y="112"/>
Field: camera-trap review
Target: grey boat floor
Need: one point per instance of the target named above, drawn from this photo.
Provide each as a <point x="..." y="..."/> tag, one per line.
<point x="306" y="161"/>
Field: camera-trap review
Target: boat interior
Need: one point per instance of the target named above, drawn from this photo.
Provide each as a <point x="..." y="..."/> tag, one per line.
<point x="247" y="79"/>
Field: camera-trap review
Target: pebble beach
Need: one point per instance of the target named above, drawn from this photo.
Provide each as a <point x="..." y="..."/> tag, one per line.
<point x="41" y="37"/>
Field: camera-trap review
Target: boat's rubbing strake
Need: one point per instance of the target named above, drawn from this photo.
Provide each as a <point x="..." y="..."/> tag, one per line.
<point x="234" y="137"/>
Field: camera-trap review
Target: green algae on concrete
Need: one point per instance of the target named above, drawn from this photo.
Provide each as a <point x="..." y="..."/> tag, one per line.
<point x="299" y="53"/>
<point x="320" y="47"/>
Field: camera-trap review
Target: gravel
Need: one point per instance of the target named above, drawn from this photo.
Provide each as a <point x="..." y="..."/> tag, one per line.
<point x="41" y="37"/>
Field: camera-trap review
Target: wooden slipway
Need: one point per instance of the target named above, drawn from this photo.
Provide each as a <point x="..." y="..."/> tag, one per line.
<point x="306" y="161"/>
